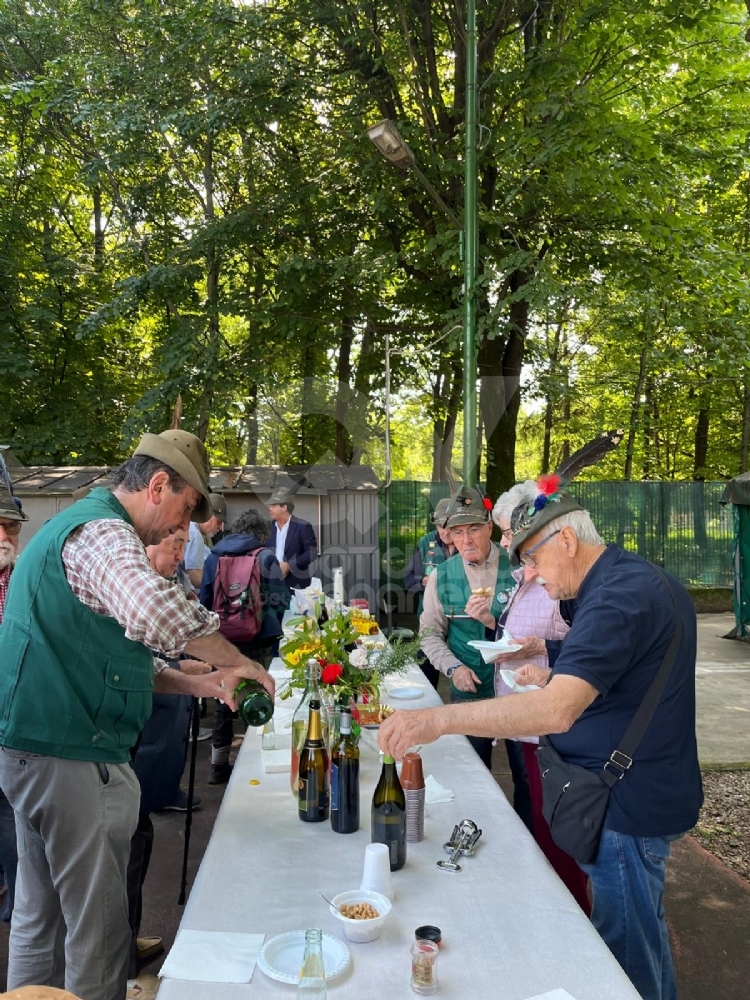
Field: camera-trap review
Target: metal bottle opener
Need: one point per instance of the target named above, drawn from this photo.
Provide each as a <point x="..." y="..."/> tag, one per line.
<point x="463" y="841"/>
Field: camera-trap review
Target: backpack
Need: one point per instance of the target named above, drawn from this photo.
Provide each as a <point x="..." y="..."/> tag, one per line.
<point x="237" y="597"/>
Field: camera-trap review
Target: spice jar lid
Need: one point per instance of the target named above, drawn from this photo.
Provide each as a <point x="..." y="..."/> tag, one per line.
<point x="428" y="933"/>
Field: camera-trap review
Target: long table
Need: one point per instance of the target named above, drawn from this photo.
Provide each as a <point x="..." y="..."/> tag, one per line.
<point x="510" y="928"/>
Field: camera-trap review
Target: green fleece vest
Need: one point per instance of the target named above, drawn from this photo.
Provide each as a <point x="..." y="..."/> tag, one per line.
<point x="71" y="683"/>
<point x="454" y="592"/>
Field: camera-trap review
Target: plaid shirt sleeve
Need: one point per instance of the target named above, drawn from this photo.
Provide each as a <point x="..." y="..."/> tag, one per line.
<point x="108" y="571"/>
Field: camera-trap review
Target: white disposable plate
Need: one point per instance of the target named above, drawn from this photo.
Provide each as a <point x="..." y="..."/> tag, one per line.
<point x="490" y="650"/>
<point x="281" y="957"/>
<point x="405" y="693"/>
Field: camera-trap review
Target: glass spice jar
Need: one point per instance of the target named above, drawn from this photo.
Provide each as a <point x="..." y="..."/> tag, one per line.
<point x="424" y="955"/>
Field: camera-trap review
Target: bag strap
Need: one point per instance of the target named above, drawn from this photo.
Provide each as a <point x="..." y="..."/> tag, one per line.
<point x="621" y="759"/>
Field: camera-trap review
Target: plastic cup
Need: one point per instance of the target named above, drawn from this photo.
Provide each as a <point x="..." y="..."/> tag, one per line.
<point x="411" y="776"/>
<point x="376" y="874"/>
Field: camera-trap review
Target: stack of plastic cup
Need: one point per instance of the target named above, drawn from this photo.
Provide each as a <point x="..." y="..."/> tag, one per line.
<point x="412" y="782"/>
<point x="376" y="876"/>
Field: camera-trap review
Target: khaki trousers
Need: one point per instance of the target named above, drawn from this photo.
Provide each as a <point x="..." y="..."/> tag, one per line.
<point x="74" y="823"/>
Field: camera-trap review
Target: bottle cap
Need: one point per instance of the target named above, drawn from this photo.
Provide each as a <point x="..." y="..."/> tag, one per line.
<point x="429" y="933"/>
<point x="315" y="705"/>
<point x="387" y="759"/>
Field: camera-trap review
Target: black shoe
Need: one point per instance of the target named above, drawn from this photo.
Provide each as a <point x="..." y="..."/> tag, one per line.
<point x="180" y="804"/>
<point x="220" y="774"/>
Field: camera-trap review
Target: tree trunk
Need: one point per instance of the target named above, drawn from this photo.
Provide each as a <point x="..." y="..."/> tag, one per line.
<point x="343" y="389"/>
<point x="251" y="423"/>
<point x="701" y="441"/>
<point x="550" y="402"/>
<point x="634" y="411"/>
<point x="500" y="363"/>
<point x="98" y="229"/>
<point x="648" y="426"/>
<point x="445" y="426"/>
<point x="213" y="270"/>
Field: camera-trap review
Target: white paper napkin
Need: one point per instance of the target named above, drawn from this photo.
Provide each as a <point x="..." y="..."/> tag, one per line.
<point x="213" y="957"/>
<point x="509" y="678"/>
<point x="277" y="761"/>
<point x="435" y="792"/>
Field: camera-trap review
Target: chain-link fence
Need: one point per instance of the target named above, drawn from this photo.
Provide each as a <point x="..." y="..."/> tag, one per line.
<point x="680" y="526"/>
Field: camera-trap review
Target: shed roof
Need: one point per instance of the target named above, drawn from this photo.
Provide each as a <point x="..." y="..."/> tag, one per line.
<point x="318" y="480"/>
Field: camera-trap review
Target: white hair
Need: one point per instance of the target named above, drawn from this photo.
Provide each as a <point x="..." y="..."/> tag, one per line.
<point x="580" y="521"/>
<point x="507" y="502"/>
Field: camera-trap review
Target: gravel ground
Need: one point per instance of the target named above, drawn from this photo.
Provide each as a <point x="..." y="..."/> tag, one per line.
<point x="724" y="824"/>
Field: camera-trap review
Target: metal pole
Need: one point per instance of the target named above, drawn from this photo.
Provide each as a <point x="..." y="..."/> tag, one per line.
<point x="471" y="250"/>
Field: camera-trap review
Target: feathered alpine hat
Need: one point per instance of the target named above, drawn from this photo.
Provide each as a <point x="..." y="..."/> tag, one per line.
<point x="551" y="501"/>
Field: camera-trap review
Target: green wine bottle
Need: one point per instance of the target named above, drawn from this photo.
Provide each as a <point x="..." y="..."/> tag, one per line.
<point x="253" y="703"/>
<point x="389" y="814"/>
<point x="314" y="790"/>
<point x="345" y="779"/>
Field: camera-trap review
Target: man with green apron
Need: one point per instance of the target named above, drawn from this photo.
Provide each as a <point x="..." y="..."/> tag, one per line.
<point x="432" y="550"/>
<point x="463" y="599"/>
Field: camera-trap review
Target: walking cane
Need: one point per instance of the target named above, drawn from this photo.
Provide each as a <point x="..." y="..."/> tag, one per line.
<point x="196" y="723"/>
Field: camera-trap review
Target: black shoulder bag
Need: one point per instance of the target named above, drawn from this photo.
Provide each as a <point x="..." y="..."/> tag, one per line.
<point x="575" y="799"/>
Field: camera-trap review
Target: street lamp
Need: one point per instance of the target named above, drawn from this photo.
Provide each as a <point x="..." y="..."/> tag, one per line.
<point x="390" y="143"/>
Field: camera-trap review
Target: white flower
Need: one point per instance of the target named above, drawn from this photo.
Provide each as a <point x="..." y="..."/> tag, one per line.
<point x="358" y="658"/>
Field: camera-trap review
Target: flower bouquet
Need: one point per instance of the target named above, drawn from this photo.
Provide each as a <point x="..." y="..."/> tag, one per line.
<point x="348" y="670"/>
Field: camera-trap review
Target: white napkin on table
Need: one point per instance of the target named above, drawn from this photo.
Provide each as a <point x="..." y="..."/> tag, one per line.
<point x="277" y="761"/>
<point x="435" y="792"/>
<point x="213" y="957"/>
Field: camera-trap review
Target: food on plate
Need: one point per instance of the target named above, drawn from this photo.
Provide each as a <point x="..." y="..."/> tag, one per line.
<point x="359" y="911"/>
<point x="373" y="715"/>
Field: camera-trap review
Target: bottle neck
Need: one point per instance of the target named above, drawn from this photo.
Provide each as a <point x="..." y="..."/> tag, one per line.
<point x="314" y="731"/>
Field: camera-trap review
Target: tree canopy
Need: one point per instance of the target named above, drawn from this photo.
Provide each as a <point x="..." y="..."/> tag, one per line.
<point x="189" y="205"/>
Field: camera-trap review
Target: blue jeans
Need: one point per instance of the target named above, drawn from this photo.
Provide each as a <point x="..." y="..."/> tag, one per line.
<point x="627" y="886"/>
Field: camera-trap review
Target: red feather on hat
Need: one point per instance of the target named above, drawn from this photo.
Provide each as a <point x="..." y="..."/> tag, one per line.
<point x="548" y="484"/>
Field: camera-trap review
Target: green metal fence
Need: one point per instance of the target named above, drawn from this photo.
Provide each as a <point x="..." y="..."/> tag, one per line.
<point x="680" y="526"/>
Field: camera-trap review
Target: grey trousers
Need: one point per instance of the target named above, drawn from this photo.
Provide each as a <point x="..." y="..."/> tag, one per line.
<point x="74" y="823"/>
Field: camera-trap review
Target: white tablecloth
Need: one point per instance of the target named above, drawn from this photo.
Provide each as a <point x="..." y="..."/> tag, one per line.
<point x="510" y="928"/>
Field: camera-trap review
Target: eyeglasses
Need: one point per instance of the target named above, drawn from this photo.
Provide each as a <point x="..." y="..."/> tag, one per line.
<point x="507" y="533"/>
<point x="527" y="558"/>
<point x="471" y="532"/>
<point x="11" y="528"/>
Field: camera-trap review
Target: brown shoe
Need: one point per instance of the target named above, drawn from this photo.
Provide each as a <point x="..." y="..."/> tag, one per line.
<point x="145" y="947"/>
<point x="145" y="988"/>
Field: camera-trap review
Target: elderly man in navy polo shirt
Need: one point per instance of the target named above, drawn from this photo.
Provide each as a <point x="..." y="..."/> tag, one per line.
<point x="622" y="628"/>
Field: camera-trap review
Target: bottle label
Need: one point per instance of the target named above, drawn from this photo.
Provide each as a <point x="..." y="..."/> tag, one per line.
<point x="334" y="787"/>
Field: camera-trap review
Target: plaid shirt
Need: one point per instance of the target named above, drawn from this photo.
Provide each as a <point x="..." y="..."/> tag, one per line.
<point x="108" y="571"/>
<point x="4" y="581"/>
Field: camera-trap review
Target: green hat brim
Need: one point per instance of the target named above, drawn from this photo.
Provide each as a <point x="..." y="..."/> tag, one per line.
<point x="531" y="524"/>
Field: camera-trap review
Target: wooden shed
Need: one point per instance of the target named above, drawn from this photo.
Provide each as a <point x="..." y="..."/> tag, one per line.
<point x="341" y="503"/>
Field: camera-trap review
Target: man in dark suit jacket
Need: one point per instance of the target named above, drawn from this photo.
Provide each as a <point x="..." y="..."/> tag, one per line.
<point x="292" y="539"/>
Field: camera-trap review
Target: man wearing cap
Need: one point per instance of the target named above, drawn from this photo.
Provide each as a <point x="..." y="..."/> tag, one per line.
<point x="292" y="539"/>
<point x="462" y="601"/>
<point x="201" y="537"/>
<point x="624" y="624"/>
<point x="84" y="612"/>
<point x="432" y="550"/>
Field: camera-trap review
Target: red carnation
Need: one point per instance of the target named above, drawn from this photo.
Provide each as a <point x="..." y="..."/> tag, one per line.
<point x="331" y="673"/>
<point x="548" y="484"/>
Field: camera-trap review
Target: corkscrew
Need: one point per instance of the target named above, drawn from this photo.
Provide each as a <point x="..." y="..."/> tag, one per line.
<point x="463" y="841"/>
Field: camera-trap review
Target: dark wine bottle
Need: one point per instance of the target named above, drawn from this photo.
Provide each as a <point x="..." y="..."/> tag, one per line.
<point x="314" y="790"/>
<point x="345" y="779"/>
<point x="253" y="703"/>
<point x="389" y="814"/>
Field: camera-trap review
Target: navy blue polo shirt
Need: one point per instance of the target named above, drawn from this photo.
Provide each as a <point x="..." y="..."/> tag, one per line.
<point x="622" y="627"/>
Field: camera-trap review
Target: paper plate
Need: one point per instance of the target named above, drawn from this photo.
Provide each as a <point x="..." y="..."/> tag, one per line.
<point x="281" y="957"/>
<point x="405" y="693"/>
<point x="490" y="650"/>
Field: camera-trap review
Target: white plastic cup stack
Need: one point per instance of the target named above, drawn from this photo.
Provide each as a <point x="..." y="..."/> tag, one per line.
<point x="376" y="875"/>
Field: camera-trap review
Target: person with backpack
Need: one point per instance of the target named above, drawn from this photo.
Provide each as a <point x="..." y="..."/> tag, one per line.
<point x="243" y="583"/>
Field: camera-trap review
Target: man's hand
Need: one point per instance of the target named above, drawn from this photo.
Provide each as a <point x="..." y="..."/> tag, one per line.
<point x="478" y="607"/>
<point x="284" y="567"/>
<point x="195" y="667"/>
<point x="231" y="677"/>
<point x="464" y="679"/>
<point x="529" y="673"/>
<point x="408" y="729"/>
<point x="532" y="646"/>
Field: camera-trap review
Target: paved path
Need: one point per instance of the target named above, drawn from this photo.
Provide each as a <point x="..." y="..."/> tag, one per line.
<point x="722" y="687"/>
